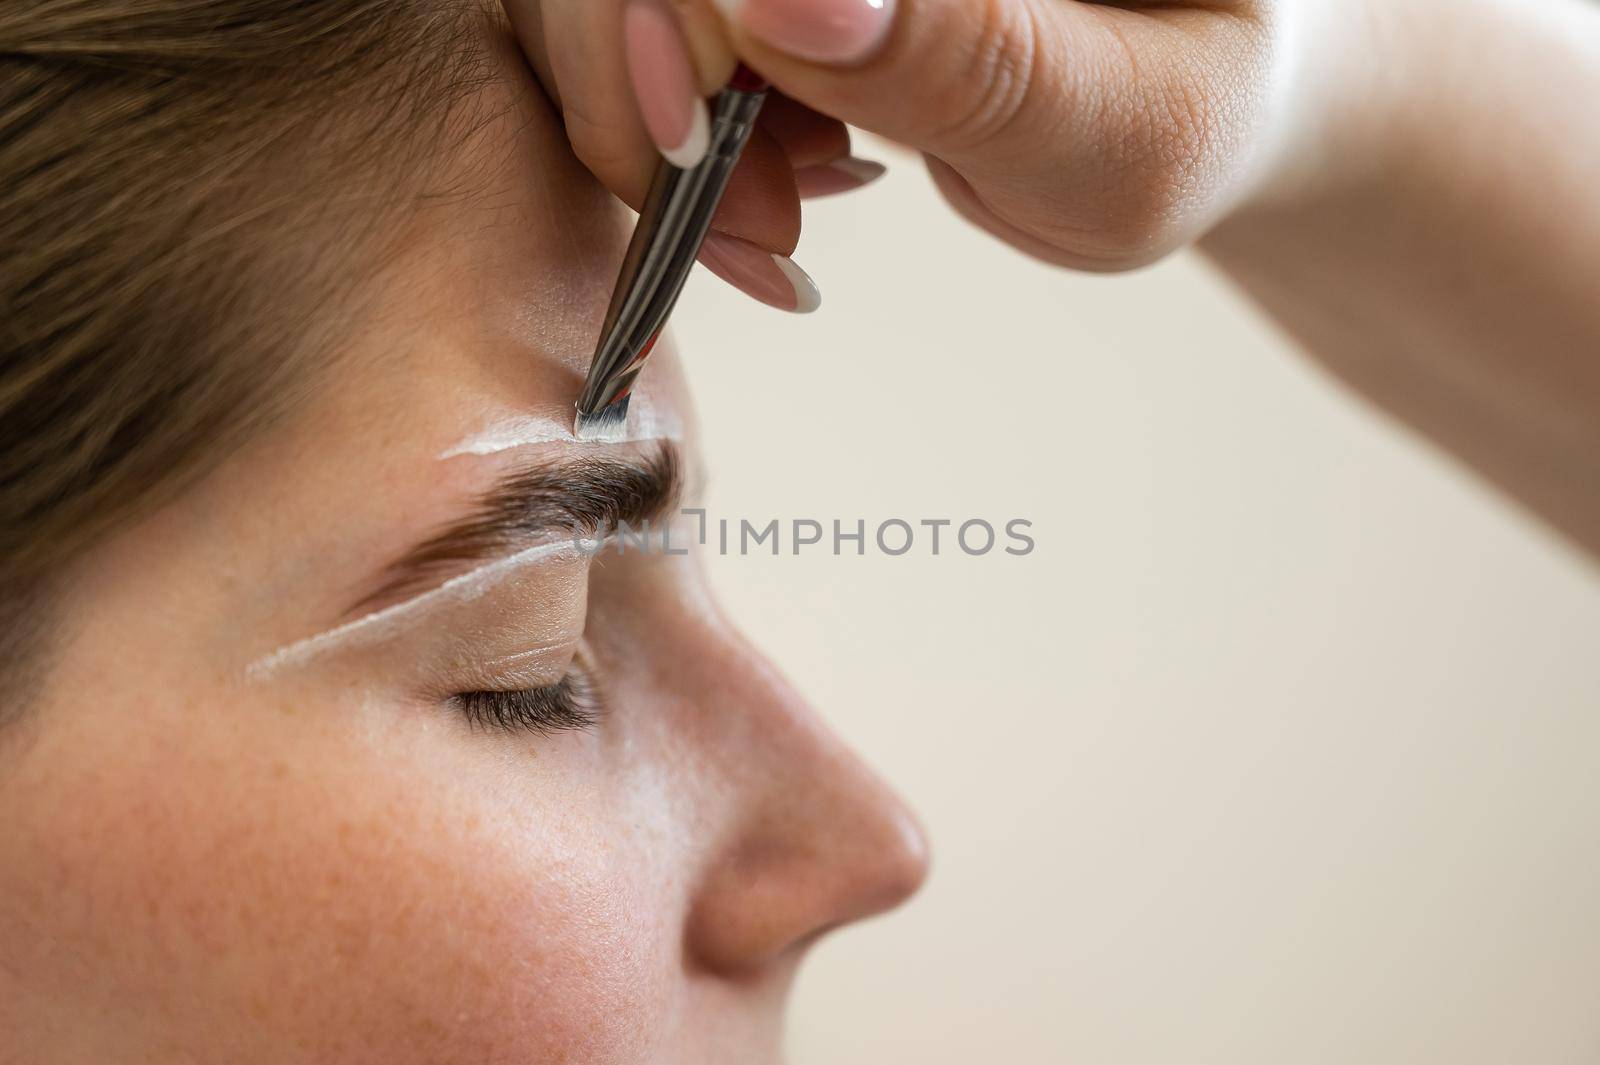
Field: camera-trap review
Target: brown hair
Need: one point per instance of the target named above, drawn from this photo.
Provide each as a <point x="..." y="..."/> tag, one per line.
<point x="181" y="183"/>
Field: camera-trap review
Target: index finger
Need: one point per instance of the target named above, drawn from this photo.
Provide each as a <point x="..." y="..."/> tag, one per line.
<point x="579" y="49"/>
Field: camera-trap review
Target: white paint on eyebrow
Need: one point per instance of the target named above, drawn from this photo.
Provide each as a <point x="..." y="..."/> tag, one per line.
<point x="645" y="423"/>
<point x="516" y="431"/>
<point x="460" y="589"/>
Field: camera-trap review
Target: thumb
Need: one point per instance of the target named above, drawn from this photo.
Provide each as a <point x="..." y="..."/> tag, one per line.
<point x="1096" y="135"/>
<point x="945" y="76"/>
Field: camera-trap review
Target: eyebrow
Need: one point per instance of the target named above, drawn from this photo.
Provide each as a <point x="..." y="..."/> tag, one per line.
<point x="583" y="498"/>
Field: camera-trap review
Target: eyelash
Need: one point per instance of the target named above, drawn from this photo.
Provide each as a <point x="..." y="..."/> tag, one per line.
<point x="571" y="706"/>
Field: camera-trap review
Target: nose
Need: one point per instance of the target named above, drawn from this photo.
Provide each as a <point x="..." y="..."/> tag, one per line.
<point x="809" y="837"/>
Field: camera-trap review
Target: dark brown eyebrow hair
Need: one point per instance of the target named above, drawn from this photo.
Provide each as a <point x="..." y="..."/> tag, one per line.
<point x="586" y="497"/>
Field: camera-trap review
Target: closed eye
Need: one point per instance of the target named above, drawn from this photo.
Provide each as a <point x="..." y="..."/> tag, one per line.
<point x="572" y="705"/>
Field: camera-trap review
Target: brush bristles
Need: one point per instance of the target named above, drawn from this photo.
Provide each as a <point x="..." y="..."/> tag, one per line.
<point x="606" y="426"/>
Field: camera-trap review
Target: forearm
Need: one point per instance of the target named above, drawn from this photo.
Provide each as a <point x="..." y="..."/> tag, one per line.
<point x="1447" y="263"/>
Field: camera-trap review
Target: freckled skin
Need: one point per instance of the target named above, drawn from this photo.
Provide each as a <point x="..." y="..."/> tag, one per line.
<point x="331" y="868"/>
<point x="313" y="902"/>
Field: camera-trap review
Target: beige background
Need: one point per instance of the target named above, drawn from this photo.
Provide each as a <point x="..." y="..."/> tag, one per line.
<point x="1282" y="747"/>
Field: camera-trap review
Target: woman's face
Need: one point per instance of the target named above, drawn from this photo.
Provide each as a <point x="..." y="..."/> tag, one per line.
<point x="233" y="835"/>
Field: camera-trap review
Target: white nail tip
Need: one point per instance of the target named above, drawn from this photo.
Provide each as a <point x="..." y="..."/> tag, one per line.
<point x="729" y="8"/>
<point x="807" y="296"/>
<point x="862" y="170"/>
<point x="692" y="151"/>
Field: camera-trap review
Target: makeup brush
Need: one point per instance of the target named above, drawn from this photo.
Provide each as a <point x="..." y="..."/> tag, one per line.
<point x="672" y="227"/>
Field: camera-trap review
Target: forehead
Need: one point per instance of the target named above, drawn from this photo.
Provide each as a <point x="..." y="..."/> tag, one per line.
<point x="484" y="309"/>
<point x="485" y="318"/>
<point x="495" y="299"/>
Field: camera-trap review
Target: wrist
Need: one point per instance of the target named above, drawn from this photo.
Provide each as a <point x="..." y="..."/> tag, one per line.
<point x="1350" y="77"/>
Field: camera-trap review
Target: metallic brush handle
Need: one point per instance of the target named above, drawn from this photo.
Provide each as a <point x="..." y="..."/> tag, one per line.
<point x="672" y="227"/>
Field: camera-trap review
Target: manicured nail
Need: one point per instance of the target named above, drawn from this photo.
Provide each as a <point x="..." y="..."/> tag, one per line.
<point x="841" y="175"/>
<point x="664" y="82"/>
<point x="775" y="280"/>
<point x="823" y="31"/>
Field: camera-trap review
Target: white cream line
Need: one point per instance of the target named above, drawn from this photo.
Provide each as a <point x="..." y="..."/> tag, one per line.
<point x="462" y="588"/>
<point x="513" y="432"/>
<point x="522" y="430"/>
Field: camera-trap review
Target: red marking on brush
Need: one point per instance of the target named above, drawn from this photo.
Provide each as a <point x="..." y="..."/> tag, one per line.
<point x="644" y="352"/>
<point x="746" y="80"/>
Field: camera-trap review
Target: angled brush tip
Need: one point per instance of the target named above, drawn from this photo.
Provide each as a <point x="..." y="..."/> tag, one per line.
<point x="605" y="426"/>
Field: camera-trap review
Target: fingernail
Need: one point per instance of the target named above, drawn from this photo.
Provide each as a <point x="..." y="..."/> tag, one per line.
<point x="841" y="175"/>
<point x="823" y="31"/>
<point x="664" y="83"/>
<point x="775" y="280"/>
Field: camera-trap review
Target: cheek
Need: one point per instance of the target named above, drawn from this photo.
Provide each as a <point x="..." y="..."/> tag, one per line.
<point x="244" y="898"/>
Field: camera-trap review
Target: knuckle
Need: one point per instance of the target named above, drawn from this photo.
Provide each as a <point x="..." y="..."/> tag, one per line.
<point x="984" y="101"/>
<point x="1169" y="176"/>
